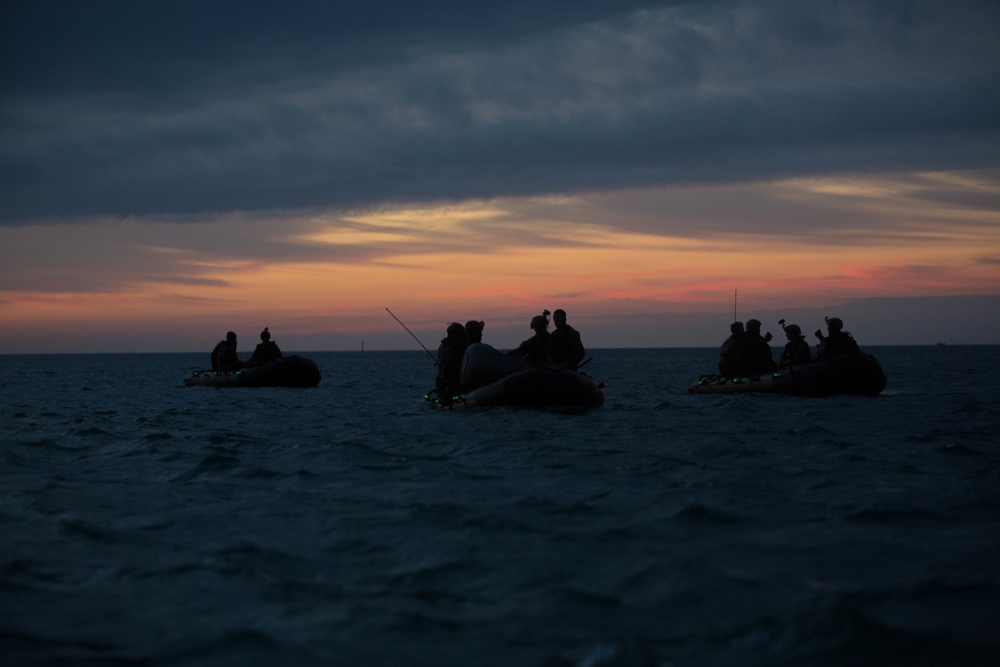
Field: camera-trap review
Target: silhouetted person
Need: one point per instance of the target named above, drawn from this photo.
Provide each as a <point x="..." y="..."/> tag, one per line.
<point x="266" y="351"/>
<point x="535" y="350"/>
<point x="729" y="349"/>
<point x="473" y="335"/>
<point x="224" y="357"/>
<point x="837" y="341"/>
<point x="754" y="354"/>
<point x="474" y="332"/>
<point x="565" y="347"/>
<point x="449" y="380"/>
<point x="796" y="349"/>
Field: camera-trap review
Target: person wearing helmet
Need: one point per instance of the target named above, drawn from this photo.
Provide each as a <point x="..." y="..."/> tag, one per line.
<point x="474" y="332"/>
<point x="448" y="382"/>
<point x="266" y="351"/>
<point x="754" y="354"/>
<point x="535" y="350"/>
<point x="727" y="353"/>
<point x="565" y="347"/>
<point x="837" y="342"/>
<point x="796" y="349"/>
<point x="224" y="357"/>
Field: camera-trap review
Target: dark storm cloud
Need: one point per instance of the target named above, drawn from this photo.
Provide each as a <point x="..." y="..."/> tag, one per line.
<point x="191" y="108"/>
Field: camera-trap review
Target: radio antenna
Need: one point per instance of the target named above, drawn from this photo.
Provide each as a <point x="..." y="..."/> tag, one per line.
<point x="414" y="336"/>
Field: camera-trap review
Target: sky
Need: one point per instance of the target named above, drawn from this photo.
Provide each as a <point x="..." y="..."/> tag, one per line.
<point x="173" y="170"/>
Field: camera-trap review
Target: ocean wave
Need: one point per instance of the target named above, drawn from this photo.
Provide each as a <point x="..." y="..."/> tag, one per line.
<point x="702" y="513"/>
<point x="210" y="466"/>
<point x="352" y="524"/>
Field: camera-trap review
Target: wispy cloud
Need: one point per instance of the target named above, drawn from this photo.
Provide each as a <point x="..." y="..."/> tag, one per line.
<point x="866" y="219"/>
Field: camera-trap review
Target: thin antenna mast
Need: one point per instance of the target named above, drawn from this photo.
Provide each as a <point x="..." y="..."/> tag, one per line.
<point x="431" y="355"/>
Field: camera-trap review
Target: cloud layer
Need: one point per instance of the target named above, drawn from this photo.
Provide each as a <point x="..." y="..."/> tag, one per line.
<point x="189" y="109"/>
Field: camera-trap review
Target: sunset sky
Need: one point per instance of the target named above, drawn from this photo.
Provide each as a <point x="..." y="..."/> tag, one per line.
<point x="173" y="170"/>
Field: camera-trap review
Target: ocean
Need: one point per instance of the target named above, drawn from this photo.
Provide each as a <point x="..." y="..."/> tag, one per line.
<point x="146" y="523"/>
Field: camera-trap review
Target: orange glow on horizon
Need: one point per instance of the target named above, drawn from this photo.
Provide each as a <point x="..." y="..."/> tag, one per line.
<point x="502" y="260"/>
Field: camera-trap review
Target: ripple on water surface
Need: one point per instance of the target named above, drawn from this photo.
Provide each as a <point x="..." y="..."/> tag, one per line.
<point x="149" y="523"/>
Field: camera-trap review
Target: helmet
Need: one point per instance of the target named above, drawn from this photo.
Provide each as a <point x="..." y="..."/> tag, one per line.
<point x="793" y="330"/>
<point x="835" y="323"/>
<point x="753" y="325"/>
<point x="455" y="329"/>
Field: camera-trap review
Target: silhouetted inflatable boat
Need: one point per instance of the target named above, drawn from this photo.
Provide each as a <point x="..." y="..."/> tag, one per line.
<point x="293" y="371"/>
<point x="855" y="374"/>
<point x="493" y="378"/>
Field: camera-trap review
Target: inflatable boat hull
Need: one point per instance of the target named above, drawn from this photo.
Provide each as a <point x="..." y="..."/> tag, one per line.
<point x="539" y="387"/>
<point x="291" y="371"/>
<point x="856" y="374"/>
<point x="492" y="378"/>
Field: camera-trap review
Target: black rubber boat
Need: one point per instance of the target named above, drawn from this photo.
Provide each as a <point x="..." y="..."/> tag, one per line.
<point x="492" y="378"/>
<point x="293" y="371"/>
<point x="854" y="374"/>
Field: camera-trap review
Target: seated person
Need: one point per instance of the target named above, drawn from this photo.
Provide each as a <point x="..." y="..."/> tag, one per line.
<point x="448" y="382"/>
<point x="797" y="349"/>
<point x="727" y="353"/>
<point x="224" y="357"/>
<point x="535" y="350"/>
<point x="474" y="332"/>
<point x="266" y="351"/>
<point x="565" y="347"/>
<point x="837" y="341"/>
<point x="753" y="355"/>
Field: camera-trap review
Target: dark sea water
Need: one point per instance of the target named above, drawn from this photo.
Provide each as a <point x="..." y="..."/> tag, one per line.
<point x="145" y="523"/>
